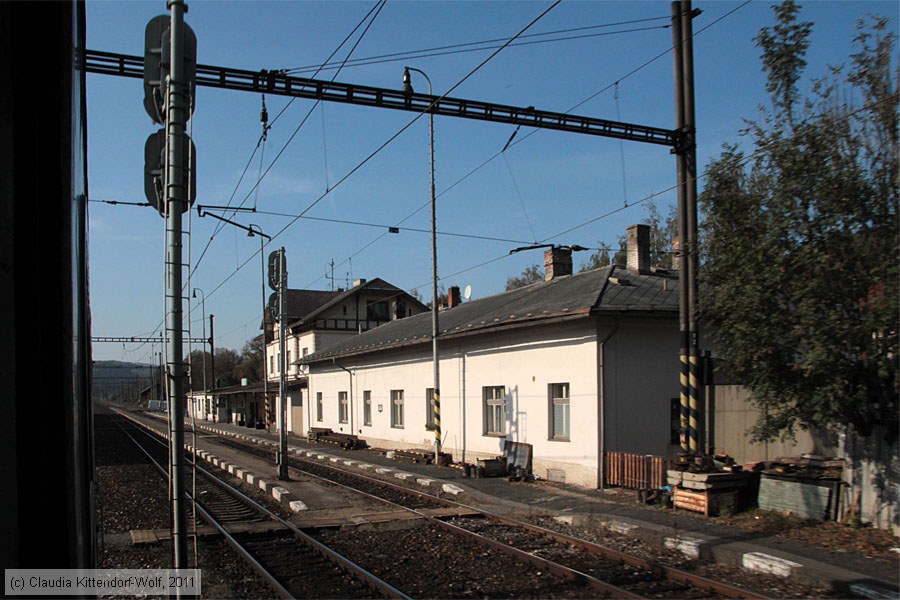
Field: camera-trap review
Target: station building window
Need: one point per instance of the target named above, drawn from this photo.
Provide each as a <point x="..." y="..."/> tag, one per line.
<point x="560" y="417"/>
<point x="367" y="408"/>
<point x="494" y="399"/>
<point x="397" y="409"/>
<point x="343" y="407"/>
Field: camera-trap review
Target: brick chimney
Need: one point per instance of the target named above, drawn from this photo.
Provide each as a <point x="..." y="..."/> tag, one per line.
<point x="637" y="257"/>
<point x="453" y="297"/>
<point x="557" y="262"/>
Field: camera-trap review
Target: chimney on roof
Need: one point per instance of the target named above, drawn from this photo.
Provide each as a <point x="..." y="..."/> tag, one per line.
<point x="637" y="257"/>
<point x="358" y="282"/>
<point x="453" y="297"/>
<point x="557" y="262"/>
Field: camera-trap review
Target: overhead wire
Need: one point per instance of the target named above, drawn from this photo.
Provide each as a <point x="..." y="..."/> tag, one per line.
<point x="389" y="227"/>
<point x="510" y="142"/>
<point x="519" y="195"/>
<point x="621" y="150"/>
<point x="378" y="5"/>
<point x="394" y="137"/>
<point x="487" y="161"/>
<point x="457" y="48"/>
<point x="698" y="178"/>
<point x="313" y="107"/>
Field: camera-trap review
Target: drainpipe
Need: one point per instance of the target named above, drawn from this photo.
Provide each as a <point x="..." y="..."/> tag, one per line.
<point x="601" y="417"/>
<point x="350" y="400"/>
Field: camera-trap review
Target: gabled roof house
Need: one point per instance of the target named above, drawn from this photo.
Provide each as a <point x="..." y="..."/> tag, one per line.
<point x="317" y="319"/>
<point x="576" y="365"/>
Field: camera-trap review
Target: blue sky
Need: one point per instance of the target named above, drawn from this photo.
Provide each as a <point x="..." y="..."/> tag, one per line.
<point x="542" y="185"/>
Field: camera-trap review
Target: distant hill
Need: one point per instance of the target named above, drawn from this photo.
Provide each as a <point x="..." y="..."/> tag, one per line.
<point x="120" y="381"/>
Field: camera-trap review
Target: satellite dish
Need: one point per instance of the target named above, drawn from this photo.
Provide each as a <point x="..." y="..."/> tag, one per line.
<point x="467" y="293"/>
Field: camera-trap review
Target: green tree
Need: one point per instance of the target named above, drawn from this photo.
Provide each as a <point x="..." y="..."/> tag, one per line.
<point x="596" y="260"/>
<point x="532" y="274"/>
<point x="601" y="258"/>
<point x="663" y="231"/>
<point x="800" y="279"/>
<point x="196" y="361"/>
<point x="250" y="362"/>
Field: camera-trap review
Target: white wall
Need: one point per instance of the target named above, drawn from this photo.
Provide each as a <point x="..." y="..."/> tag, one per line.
<point x="525" y="362"/>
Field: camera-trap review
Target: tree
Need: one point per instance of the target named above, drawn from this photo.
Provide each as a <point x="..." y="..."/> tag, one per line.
<point x="530" y="275"/>
<point x="197" y="360"/>
<point x="663" y="231"/>
<point x="227" y="361"/>
<point x="250" y="363"/>
<point x="442" y="296"/>
<point x="800" y="279"/>
<point x="596" y="260"/>
<point x="601" y="258"/>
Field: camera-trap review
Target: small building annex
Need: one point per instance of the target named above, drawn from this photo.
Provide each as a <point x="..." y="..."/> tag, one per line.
<point x="576" y="366"/>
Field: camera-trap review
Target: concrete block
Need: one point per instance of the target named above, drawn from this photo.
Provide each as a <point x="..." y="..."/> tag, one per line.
<point x="298" y="506"/>
<point x="349" y="463"/>
<point x="621" y="527"/>
<point x="452" y="489"/>
<point x="365" y="466"/>
<point x="322" y="456"/>
<point x="279" y="492"/>
<point x="239" y="473"/>
<point x="760" y="562"/>
<point x="251" y="479"/>
<point x="231" y="469"/>
<point x="334" y="459"/>
<point x="383" y="470"/>
<point x="575" y="519"/>
<point x="403" y="476"/>
<point x="424" y="481"/>
<point x="264" y="485"/>
<point x="689" y="546"/>
<point x="864" y="590"/>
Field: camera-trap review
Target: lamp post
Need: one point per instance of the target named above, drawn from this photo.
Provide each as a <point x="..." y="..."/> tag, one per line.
<point x="262" y="265"/>
<point x="436" y="395"/>
<point x="203" y="305"/>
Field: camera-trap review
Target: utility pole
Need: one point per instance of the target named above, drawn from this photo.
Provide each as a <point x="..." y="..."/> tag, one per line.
<point x="282" y="380"/>
<point x="176" y="197"/>
<point x="435" y="309"/>
<point x="212" y="365"/>
<point x="170" y="56"/>
<point x="686" y="157"/>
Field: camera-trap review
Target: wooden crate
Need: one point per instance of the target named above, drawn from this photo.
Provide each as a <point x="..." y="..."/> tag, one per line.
<point x="707" y="502"/>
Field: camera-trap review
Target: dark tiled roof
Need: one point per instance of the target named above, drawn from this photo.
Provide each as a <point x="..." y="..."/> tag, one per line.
<point x="375" y="285"/>
<point x="304" y="306"/>
<point x="299" y="303"/>
<point x="608" y="289"/>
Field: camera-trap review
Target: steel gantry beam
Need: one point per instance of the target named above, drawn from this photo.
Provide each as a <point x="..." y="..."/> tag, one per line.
<point x="278" y="83"/>
<point x="153" y="340"/>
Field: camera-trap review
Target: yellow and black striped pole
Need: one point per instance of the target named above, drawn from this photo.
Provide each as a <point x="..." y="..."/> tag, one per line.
<point x="437" y="424"/>
<point x="685" y="402"/>
<point x="693" y="415"/>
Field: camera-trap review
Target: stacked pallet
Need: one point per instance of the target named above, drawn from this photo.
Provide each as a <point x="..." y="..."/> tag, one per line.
<point x="344" y="440"/>
<point x="708" y="493"/>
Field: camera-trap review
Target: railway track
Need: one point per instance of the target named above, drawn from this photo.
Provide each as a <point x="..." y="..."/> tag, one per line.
<point x="581" y="565"/>
<point x="294" y="564"/>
